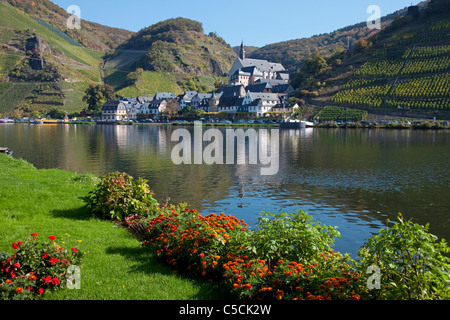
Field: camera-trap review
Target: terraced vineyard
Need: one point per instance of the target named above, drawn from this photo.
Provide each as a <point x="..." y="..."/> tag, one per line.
<point x="340" y="114"/>
<point x="12" y="95"/>
<point x="411" y="70"/>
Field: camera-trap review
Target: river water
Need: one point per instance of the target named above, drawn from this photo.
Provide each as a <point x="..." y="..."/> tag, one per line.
<point x="354" y="179"/>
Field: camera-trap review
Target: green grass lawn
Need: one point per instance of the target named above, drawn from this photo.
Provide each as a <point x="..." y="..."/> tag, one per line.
<point x="114" y="267"/>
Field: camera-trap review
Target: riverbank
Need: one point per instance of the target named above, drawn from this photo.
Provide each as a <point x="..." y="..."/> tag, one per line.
<point x="417" y="125"/>
<point x="114" y="267"/>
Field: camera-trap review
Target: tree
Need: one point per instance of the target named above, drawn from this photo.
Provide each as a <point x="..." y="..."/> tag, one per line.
<point x="172" y="106"/>
<point x="135" y="76"/>
<point x="97" y="95"/>
<point x="35" y="114"/>
<point x="16" y="114"/>
<point x="312" y="66"/>
<point x="55" y="113"/>
<point x="362" y="45"/>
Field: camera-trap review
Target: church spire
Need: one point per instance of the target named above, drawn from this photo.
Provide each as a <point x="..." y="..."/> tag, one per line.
<point x="242" y="51"/>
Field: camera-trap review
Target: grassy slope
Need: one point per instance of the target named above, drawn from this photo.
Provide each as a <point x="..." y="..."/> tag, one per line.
<point x="150" y="83"/>
<point x="114" y="267"/>
<point x="73" y="61"/>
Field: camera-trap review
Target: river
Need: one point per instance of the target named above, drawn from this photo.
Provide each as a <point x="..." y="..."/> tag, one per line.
<point x="354" y="179"/>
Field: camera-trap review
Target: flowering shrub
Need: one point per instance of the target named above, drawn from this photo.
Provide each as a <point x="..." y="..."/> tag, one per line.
<point x="34" y="268"/>
<point x="118" y="195"/>
<point x="189" y="241"/>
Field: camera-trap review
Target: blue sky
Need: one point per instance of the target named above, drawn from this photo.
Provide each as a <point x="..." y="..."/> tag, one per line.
<point x="256" y="22"/>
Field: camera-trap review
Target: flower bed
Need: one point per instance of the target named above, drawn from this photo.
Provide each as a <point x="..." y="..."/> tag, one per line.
<point x="214" y="247"/>
<point x="34" y="268"/>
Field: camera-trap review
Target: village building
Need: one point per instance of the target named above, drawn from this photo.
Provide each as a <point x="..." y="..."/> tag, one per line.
<point x="260" y="103"/>
<point x="164" y="95"/>
<point x="231" y="104"/>
<point x="247" y="71"/>
<point x="201" y="101"/>
<point x="114" y="110"/>
<point x="214" y="102"/>
<point x="186" y="98"/>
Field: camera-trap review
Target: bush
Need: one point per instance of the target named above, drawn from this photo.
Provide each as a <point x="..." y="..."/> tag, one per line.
<point x="411" y="261"/>
<point x="291" y="237"/>
<point x="35" y="268"/>
<point x="118" y="195"/>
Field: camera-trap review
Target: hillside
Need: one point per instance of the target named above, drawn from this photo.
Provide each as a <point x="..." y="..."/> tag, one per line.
<point x="41" y="67"/>
<point x="176" y="50"/>
<point x="292" y="53"/>
<point x="402" y="70"/>
<point x="91" y="35"/>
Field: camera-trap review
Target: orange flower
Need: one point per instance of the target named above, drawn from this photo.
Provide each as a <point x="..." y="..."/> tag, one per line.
<point x="279" y="294"/>
<point x="19" y="290"/>
<point x="355" y="296"/>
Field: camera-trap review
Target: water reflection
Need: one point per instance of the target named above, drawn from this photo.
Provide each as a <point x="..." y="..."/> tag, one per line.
<point x="354" y="179"/>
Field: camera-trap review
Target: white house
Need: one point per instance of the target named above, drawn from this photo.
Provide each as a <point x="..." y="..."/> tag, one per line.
<point x="114" y="110"/>
<point x="260" y="103"/>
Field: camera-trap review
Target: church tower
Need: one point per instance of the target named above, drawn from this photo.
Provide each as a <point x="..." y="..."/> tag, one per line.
<point x="242" y="51"/>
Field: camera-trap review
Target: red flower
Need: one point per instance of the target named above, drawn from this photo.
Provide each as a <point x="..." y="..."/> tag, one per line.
<point x="34" y="234"/>
<point x="15" y="246"/>
<point x="47" y="279"/>
<point x="55" y="281"/>
<point x="40" y="291"/>
<point x="74" y="250"/>
<point x="16" y="265"/>
<point x="51" y="238"/>
<point x="54" y="260"/>
<point x="20" y="243"/>
<point x="44" y="256"/>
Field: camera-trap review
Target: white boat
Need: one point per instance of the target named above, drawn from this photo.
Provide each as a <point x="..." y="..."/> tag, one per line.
<point x="295" y="124"/>
<point x="6" y="121"/>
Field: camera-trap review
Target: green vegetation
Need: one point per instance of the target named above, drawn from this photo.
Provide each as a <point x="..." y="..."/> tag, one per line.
<point x="293" y="53"/>
<point x="340" y="114"/>
<point x="54" y="18"/>
<point x="14" y="95"/>
<point x="114" y="265"/>
<point x="405" y="66"/>
<point x="150" y="82"/>
<point x="96" y="95"/>
<point x="177" y="50"/>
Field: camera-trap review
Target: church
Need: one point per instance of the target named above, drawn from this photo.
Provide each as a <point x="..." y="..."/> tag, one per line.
<point x="247" y="71"/>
